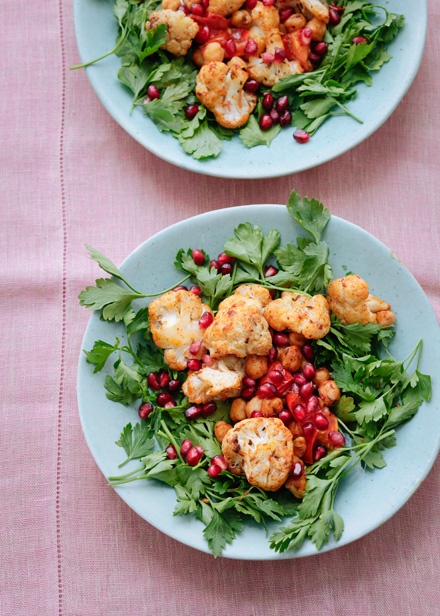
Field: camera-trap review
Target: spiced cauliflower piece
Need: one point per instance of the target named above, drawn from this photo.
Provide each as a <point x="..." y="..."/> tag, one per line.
<point x="260" y="448"/>
<point x="219" y="381"/>
<point x="181" y="29"/>
<point x="265" y="21"/>
<point x="239" y="327"/>
<point x="174" y="324"/>
<point x="349" y="298"/>
<point x="309" y="316"/>
<point x="219" y="87"/>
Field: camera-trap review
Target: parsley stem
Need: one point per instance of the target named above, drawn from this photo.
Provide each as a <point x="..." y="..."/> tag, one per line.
<point x="121" y="478"/>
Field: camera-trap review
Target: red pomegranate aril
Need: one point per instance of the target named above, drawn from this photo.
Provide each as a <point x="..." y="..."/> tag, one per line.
<point x="299" y="379"/>
<point x="230" y="47"/>
<point x="163" y="398"/>
<point x="194" y="364"/>
<point x="320" y="452"/>
<point x="336" y="438"/>
<point x="321" y="421"/>
<point x="198" y="256"/>
<point x="306" y="36"/>
<point x="280" y="340"/>
<point x="198" y="9"/>
<point x="214" y="264"/>
<point x="312" y="404"/>
<point x="209" y="408"/>
<point x="294" y="387"/>
<point x="180" y="287"/>
<point x="205" y="320"/>
<point x="171" y="452"/>
<point x="226" y="268"/>
<point x="308" y="352"/>
<point x="306" y="390"/>
<point x="273" y="354"/>
<point x="314" y="57"/>
<point x="301" y="136"/>
<point x="275" y="376"/>
<point x="267" y="101"/>
<point x="184" y="9"/>
<point x="275" y="116"/>
<point x="248" y="381"/>
<point x="251" y="48"/>
<point x="270" y="271"/>
<point x="153" y="381"/>
<point x="285" y="119"/>
<point x="309" y="371"/>
<point x="196" y="289"/>
<point x="334" y="16"/>
<point x="358" y="40"/>
<point x="257" y="414"/>
<point x="308" y="429"/>
<point x="285" y="416"/>
<point x="267" y="57"/>
<point x="193" y="412"/>
<point x="164" y="379"/>
<point x="195" y="347"/>
<point x="224" y="258"/>
<point x="267" y="390"/>
<point x="203" y="35"/>
<point x="208" y="360"/>
<point x="299" y="413"/>
<point x="248" y="392"/>
<point x="191" y="111"/>
<point x="321" y="48"/>
<point x="285" y="13"/>
<point x="266" y="122"/>
<point x="153" y="91"/>
<point x="194" y="456"/>
<point x="174" y="385"/>
<point x="220" y="461"/>
<point x="250" y="4"/>
<point x="185" y="447"/>
<point x="145" y="409"/>
<point x="279" y="55"/>
<point x="251" y="85"/>
<point x="268" y="2"/>
<point x="213" y="471"/>
<point x="282" y="103"/>
<point x="297" y="470"/>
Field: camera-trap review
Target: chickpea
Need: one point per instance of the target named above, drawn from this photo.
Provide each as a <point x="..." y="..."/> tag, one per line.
<point x="318" y="28"/>
<point x="295" y="428"/>
<point x="198" y="57"/>
<point x="270" y="407"/>
<point x="238" y="410"/>
<point x="299" y="446"/>
<point x="213" y="52"/>
<point x="254" y="404"/>
<point x="220" y="430"/>
<point x="255" y="366"/>
<point x="329" y="392"/>
<point x="321" y="375"/>
<point x="291" y="358"/>
<point x="297" y="339"/>
<point x="173" y="5"/>
<point x="295" y="22"/>
<point x="241" y="19"/>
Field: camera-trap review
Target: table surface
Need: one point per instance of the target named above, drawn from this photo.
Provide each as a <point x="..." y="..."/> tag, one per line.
<point x="71" y="176"/>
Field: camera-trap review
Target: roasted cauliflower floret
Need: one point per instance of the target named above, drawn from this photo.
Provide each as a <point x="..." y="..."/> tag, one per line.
<point x="174" y="324"/>
<point x="309" y="316"/>
<point x="317" y="8"/>
<point x="270" y="74"/>
<point x="219" y="381"/>
<point x="265" y="20"/>
<point x="219" y="87"/>
<point x="239" y="328"/>
<point x="224" y="7"/>
<point x="180" y="30"/>
<point x="259" y="295"/>
<point x="349" y="298"/>
<point x="260" y="448"/>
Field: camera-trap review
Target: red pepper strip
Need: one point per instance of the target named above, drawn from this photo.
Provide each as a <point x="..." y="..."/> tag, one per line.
<point x="293" y="399"/>
<point x="212" y="20"/>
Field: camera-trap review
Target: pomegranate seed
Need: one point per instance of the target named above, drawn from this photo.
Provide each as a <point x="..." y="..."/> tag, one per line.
<point x="251" y="4"/>
<point x="336" y="438"/>
<point x="267" y="57"/>
<point x="198" y="256"/>
<point x="191" y="111"/>
<point x="294" y="387"/>
<point x="268" y="2"/>
<point x="174" y="385"/>
<point x="213" y="471"/>
<point x="248" y="381"/>
<point x="153" y="91"/>
<point x="226" y="268"/>
<point x="306" y="36"/>
<point x="196" y="289"/>
<point x="312" y="404"/>
<point x="309" y="371"/>
<point x="203" y="35"/>
<point x="198" y="9"/>
<point x="205" y="320"/>
<point x="230" y="47"/>
<point x="279" y="55"/>
<point x="280" y="340"/>
<point x="194" y="455"/>
<point x="267" y="390"/>
<point x="251" y="47"/>
<point x="285" y="119"/>
<point x="181" y="287"/>
<point x="195" y="347"/>
<point x="275" y="116"/>
<point x="268" y="101"/>
<point x="297" y="470"/>
<point x="208" y="360"/>
<point x="194" y="364"/>
<point x="153" y="381"/>
<point x="220" y="461"/>
<point x="285" y="416"/>
<point x="275" y="376"/>
<point x="321" y="421"/>
<point x="145" y="409"/>
<point x="257" y="414"/>
<point x="266" y="122"/>
<point x="205" y="3"/>
<point x="301" y="136"/>
<point x="270" y="271"/>
<point x="285" y="14"/>
<point x="334" y="16"/>
<point x="320" y="452"/>
<point x="315" y="58"/>
<point x="357" y="40"/>
<point x="169" y="405"/>
<point x="193" y="412"/>
<point x="308" y="352"/>
<point x="171" y="452"/>
<point x="163" y="398"/>
<point x="248" y="393"/>
<point x="209" y="408"/>
<point x="282" y="103"/>
<point x="185" y="447"/>
<point x="308" y="429"/>
<point x="273" y="354"/>
<point x="299" y="413"/>
<point x="251" y="85"/>
<point x="164" y="379"/>
<point x="299" y="379"/>
<point x="224" y="258"/>
<point x="184" y="9"/>
<point x="214" y="264"/>
<point x="321" y="48"/>
<point x="306" y="390"/>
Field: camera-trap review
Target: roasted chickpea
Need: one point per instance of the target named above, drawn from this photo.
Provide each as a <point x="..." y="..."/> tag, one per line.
<point x="198" y="57"/>
<point x="220" y="430"/>
<point x="297" y="339"/>
<point x="318" y="28"/>
<point x="295" y="428"/>
<point x="173" y="5"/>
<point x="255" y="366"/>
<point x="299" y="446"/>
<point x="270" y="407"/>
<point x="254" y="404"/>
<point x="321" y="375"/>
<point x="238" y="410"/>
<point x="295" y="22"/>
<point x="241" y="19"/>
<point x="213" y="52"/>
<point x="329" y="392"/>
<point x="291" y="358"/>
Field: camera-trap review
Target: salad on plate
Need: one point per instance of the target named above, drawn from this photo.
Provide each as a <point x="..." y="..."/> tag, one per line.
<point x="258" y="381"/>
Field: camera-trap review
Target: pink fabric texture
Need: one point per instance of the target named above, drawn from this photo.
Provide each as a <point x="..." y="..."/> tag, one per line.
<point x="71" y="176"/>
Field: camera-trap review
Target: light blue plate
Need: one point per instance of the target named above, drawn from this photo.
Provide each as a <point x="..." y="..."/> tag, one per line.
<point x="366" y="499"/>
<point x="96" y="30"/>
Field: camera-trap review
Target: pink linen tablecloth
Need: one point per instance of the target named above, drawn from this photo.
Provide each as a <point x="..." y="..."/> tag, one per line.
<point x="71" y="176"/>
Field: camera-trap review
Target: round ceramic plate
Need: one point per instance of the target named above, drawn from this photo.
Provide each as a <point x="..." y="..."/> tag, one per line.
<point x="96" y="30"/>
<point x="365" y="499"/>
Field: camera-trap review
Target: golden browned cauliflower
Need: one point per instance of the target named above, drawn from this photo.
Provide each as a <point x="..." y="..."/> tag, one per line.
<point x="180" y="29"/>
<point x="316" y="8"/>
<point x="219" y="87"/>
<point x="239" y="328"/>
<point x="174" y="323"/>
<point x="219" y="381"/>
<point x="265" y="20"/>
<point x="350" y="300"/>
<point x="259" y="295"/>
<point x="270" y="74"/>
<point x="260" y="448"/>
<point x="224" y="7"/>
<point x="309" y="316"/>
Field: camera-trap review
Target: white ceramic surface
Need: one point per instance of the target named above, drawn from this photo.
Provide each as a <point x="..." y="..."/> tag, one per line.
<point x="96" y="30"/>
<point x="366" y="499"/>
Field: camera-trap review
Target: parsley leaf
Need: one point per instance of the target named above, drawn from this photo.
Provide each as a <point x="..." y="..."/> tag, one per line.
<point x="136" y="441"/>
